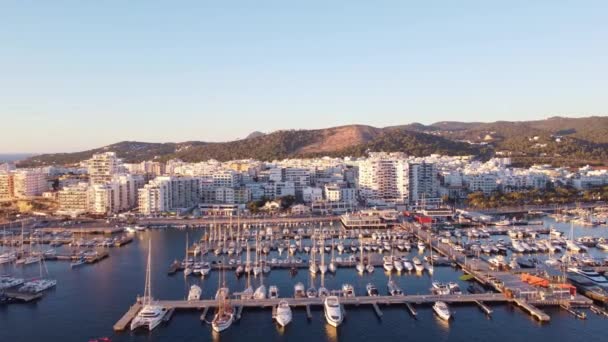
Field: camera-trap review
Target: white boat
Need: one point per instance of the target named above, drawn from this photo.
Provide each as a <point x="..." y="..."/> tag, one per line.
<point x="283" y="316"/>
<point x="7" y="257"/>
<point x="299" y="291"/>
<point x="418" y="265"/>
<point x="592" y="275"/>
<point x="360" y="268"/>
<point x="388" y="266"/>
<point x="152" y="314"/>
<point x="223" y="319"/>
<point x="440" y="288"/>
<point x="420" y="246"/>
<point x="369" y="268"/>
<point x="260" y="292"/>
<point x="78" y="263"/>
<point x="194" y="293"/>
<point x="205" y="269"/>
<point x="442" y="310"/>
<point x="333" y="311"/>
<point x="408" y="265"/>
<point x="7" y="282"/>
<point x="332" y="267"/>
<point x="323" y="292"/>
<point x="273" y="292"/>
<point x="398" y="265"/>
<point x="393" y="288"/>
<point x="222" y="293"/>
<point x="348" y="290"/>
<point x="312" y="292"/>
<point x="247" y="293"/>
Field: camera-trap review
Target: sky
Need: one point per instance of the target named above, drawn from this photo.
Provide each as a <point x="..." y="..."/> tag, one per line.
<point x="76" y="75"/>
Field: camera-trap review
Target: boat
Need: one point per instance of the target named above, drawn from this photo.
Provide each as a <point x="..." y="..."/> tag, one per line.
<point x="299" y="291"/>
<point x="323" y="292"/>
<point x="78" y="263"/>
<point x="418" y="265"/>
<point x="591" y="275"/>
<point x="224" y="315"/>
<point x="440" y="288"/>
<point x="420" y="246"/>
<point x="6" y="282"/>
<point x="194" y="293"/>
<point x="372" y="290"/>
<point x="388" y="266"/>
<point x="348" y="290"/>
<point x="273" y="292"/>
<point x="283" y="315"/>
<point x="260" y="292"/>
<point x="408" y="265"/>
<point x="333" y="311"/>
<point x="369" y="268"/>
<point x="442" y="310"/>
<point x="393" y="288"/>
<point x="311" y="292"/>
<point x="151" y="314"/>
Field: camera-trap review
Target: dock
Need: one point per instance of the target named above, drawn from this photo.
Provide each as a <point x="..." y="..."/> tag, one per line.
<point x="24" y="297"/>
<point x="204" y="314"/>
<point x="124" y="321"/>
<point x="532" y="310"/>
<point x="377" y="310"/>
<point x="308" y="313"/>
<point x="411" y="309"/>
<point x="598" y="311"/>
<point x="484" y="307"/>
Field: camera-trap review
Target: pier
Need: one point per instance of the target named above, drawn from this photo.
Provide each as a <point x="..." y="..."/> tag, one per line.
<point x="532" y="310"/>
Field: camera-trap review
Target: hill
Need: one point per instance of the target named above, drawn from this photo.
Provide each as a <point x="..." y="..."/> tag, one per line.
<point x="560" y="141"/>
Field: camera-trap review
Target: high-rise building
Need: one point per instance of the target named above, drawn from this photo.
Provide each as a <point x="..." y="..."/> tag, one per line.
<point x="74" y="199"/>
<point x="22" y="184"/>
<point x="169" y="193"/>
<point x="102" y="167"/>
<point x="423" y="183"/>
<point x="383" y="178"/>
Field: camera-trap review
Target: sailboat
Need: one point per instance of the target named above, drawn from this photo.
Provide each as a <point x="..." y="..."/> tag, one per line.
<point x="429" y="266"/>
<point x="361" y="266"/>
<point x="260" y="292"/>
<point x="332" y="264"/>
<point x="257" y="269"/>
<point x="224" y="315"/>
<point x="152" y="314"/>
<point x="313" y="268"/>
<point x="187" y="266"/>
<point x="322" y="267"/>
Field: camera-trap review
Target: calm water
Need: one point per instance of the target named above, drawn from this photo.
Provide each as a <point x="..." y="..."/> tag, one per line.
<point x="89" y="300"/>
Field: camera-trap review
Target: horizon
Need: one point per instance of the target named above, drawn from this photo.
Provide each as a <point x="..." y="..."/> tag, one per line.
<point x="77" y="76"/>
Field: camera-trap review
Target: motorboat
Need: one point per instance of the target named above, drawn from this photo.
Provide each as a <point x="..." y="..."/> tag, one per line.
<point x="78" y="263"/>
<point x="194" y="293"/>
<point x="323" y="292"/>
<point x="418" y="265"/>
<point x="440" y="288"/>
<point x="299" y="291"/>
<point x="442" y="310"/>
<point x="273" y="292"/>
<point x="393" y="288"/>
<point x="372" y="290"/>
<point x="312" y="292"/>
<point x="333" y="311"/>
<point x="591" y="275"/>
<point x="369" y="268"/>
<point x="360" y="268"/>
<point x="348" y="290"/>
<point x="398" y="266"/>
<point x="283" y="314"/>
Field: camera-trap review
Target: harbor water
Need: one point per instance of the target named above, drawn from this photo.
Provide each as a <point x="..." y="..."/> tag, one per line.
<point x="89" y="300"/>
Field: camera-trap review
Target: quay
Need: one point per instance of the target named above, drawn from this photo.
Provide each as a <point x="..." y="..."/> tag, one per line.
<point x="84" y="230"/>
<point x="307" y="303"/>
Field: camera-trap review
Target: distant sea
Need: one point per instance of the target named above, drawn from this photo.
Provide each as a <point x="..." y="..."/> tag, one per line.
<point x="10" y="157"/>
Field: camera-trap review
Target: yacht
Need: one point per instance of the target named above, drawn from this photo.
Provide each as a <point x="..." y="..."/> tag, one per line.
<point x="348" y="290"/>
<point x="369" y="268"/>
<point x="38" y="285"/>
<point x="273" y="292"/>
<point x="7" y="282"/>
<point x="372" y="290"/>
<point x="299" y="291"/>
<point x="333" y="311"/>
<point x="195" y="293"/>
<point x="388" y="264"/>
<point x="283" y="316"/>
<point x="150" y="316"/>
<point x="440" y="288"/>
<point x="420" y="246"/>
<point x="590" y="274"/>
<point x="442" y="310"/>
<point x="408" y="265"/>
<point x="360" y="268"/>
<point x="311" y="292"/>
<point x="393" y="288"/>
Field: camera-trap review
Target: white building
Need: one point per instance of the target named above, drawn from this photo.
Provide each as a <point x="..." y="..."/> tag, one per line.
<point x="311" y="194"/>
<point x="74" y="200"/>
<point x="102" y="167"/>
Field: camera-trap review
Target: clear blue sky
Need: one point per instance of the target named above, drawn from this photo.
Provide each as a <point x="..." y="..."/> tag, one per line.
<point x="81" y="74"/>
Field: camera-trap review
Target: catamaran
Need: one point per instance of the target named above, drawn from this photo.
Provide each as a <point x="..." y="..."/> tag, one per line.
<point x="152" y="314"/>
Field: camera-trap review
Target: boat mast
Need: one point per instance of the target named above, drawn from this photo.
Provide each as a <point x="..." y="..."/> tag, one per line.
<point x="148" y="286"/>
